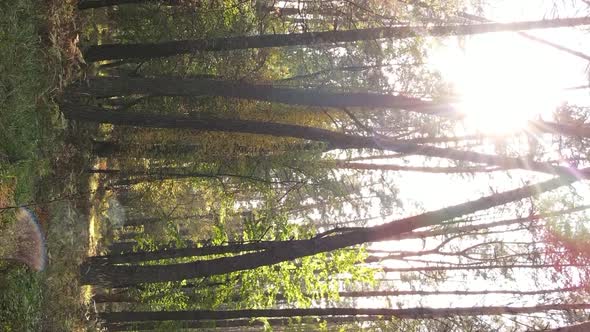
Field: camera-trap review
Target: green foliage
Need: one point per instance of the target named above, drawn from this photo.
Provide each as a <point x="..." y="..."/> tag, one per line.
<point x="20" y="300"/>
<point x="20" y="71"/>
<point x="22" y="128"/>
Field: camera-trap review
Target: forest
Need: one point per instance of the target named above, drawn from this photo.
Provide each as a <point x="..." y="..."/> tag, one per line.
<point x="294" y="165"/>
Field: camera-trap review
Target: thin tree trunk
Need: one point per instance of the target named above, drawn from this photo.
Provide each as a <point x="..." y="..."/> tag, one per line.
<point x="89" y="4"/>
<point x="389" y="167"/>
<point x="133" y="177"/>
<point x="126" y="275"/>
<point x="456" y="292"/>
<point x="175" y="86"/>
<point x="225" y="324"/>
<point x="475" y="267"/>
<point x="530" y="37"/>
<point x="410" y="313"/>
<point x="482" y="19"/>
<point x="155" y="50"/>
<point x="505" y="222"/>
<point x="192" y="251"/>
<point x="111" y="149"/>
<point x="334" y="139"/>
<point x="143" y="256"/>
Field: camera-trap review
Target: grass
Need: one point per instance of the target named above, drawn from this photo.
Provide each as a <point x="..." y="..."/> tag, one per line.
<point x="21" y="130"/>
<point x="40" y="165"/>
<point x="21" y="299"/>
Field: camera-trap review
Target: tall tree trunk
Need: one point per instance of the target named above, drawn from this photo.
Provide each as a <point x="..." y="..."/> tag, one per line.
<point x="456" y="292"/>
<point x="410" y="313"/>
<point x="476" y="267"/>
<point x="193" y="251"/>
<point x="389" y="167"/>
<point x="175" y="86"/>
<point x="112" y="149"/>
<point x="143" y="256"/>
<point x="133" y="177"/>
<point x="245" y="323"/>
<point x="545" y="42"/>
<point x="482" y="19"/>
<point x="155" y="50"/>
<point x="89" y="4"/>
<point x="126" y="275"/>
<point x="334" y="139"/>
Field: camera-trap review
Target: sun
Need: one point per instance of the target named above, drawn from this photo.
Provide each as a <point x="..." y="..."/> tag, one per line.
<point x="497" y="106"/>
<point x="501" y="82"/>
<point x="497" y="112"/>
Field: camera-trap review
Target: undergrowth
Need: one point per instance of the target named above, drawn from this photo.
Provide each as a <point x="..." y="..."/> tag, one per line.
<point x="38" y="43"/>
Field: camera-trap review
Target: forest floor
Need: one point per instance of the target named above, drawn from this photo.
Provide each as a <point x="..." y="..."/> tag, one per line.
<point x="42" y="165"/>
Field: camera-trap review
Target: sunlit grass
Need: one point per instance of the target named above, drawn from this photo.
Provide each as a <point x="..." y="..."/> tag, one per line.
<point x="94" y="232"/>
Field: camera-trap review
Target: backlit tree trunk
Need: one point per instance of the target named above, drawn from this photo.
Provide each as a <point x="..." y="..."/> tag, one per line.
<point x="89" y="4"/>
<point x="334" y="139"/>
<point x="410" y="313"/>
<point x="245" y="323"/>
<point x="175" y="86"/>
<point x="155" y="50"/>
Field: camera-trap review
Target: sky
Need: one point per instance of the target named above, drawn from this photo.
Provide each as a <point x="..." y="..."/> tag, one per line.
<point x="503" y="80"/>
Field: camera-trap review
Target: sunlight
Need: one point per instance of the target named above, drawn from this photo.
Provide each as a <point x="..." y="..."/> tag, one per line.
<point x="502" y="81"/>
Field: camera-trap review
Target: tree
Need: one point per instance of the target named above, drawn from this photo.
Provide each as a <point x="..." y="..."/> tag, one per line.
<point x="334" y="139"/>
<point x="155" y="50"/>
<point x="193" y="250"/>
<point x="120" y="275"/>
<point x="412" y="313"/>
<point x="174" y="86"/>
<point x="89" y="4"/>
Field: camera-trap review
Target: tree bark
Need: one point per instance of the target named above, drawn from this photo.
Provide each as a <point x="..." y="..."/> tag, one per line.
<point x="89" y="4"/>
<point x="143" y="256"/>
<point x="155" y="50"/>
<point x="225" y="324"/>
<point x="389" y="167"/>
<point x="133" y="177"/>
<point x="482" y="19"/>
<point x="410" y="313"/>
<point x="475" y="267"/>
<point x="175" y="86"/>
<point x="455" y="292"/>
